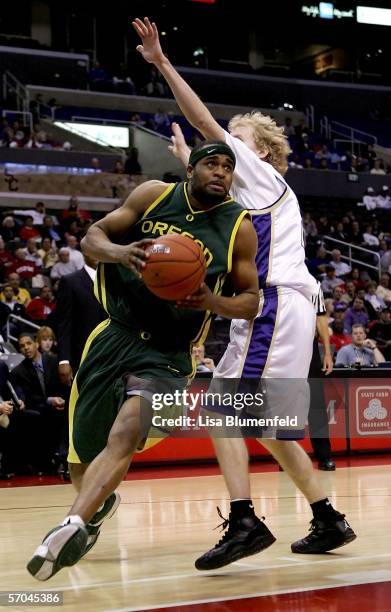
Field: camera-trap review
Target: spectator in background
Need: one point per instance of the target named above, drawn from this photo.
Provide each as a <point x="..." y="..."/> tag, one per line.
<point x="31" y="253"/>
<point x="37" y="214"/>
<point x="338" y="337"/>
<point x="378" y="167"/>
<point x="350" y="292"/>
<point x="48" y="230"/>
<point x="361" y="352"/>
<point x="309" y="225"/>
<point x="338" y="301"/>
<point x="74" y="254"/>
<point x="356" y="315"/>
<point x="48" y="253"/>
<point x="323" y="153"/>
<point x="307" y="163"/>
<point x="118" y="167"/>
<point x="330" y="281"/>
<point x="21" y="295"/>
<point x="37" y="376"/>
<point x="369" y="238"/>
<point x="381" y="333"/>
<point x="355" y="278"/>
<point x="383" y="291"/>
<point x="41" y="307"/>
<point x="339" y="232"/>
<point x="318" y="264"/>
<point x="23" y="267"/>
<point x="289" y="129"/>
<point x="371" y="155"/>
<point x="341" y="268"/>
<point x="384" y="199"/>
<point x="28" y="230"/>
<point x="356" y="236"/>
<point x="64" y="265"/>
<point x="132" y="165"/>
<point x="97" y="76"/>
<point x="46" y="340"/>
<point x="9" y="230"/>
<point x="376" y="302"/>
<point x="6" y="260"/>
<point x="369" y="199"/>
<point x="95" y="164"/>
<point x="74" y="212"/>
<point x="323" y="164"/>
<point x="203" y="364"/>
<point x="361" y="293"/>
<point x="9" y="305"/>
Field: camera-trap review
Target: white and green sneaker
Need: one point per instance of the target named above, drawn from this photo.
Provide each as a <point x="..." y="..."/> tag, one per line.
<point x="62" y="546"/>
<point x="93" y="526"/>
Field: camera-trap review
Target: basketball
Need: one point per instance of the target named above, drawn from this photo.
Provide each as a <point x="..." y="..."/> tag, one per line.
<point x="175" y="267"/>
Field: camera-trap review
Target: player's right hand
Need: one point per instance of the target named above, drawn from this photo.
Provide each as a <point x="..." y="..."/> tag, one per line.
<point x="150" y="49"/>
<point x="133" y="255"/>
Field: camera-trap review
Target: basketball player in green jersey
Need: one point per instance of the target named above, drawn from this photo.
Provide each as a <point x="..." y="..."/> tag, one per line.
<point x="146" y="338"/>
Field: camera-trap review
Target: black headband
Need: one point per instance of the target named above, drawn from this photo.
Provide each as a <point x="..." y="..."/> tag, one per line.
<point x="212" y="149"/>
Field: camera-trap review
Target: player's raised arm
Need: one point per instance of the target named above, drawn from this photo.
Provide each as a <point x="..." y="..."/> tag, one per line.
<point x="100" y="240"/>
<point x="192" y="107"/>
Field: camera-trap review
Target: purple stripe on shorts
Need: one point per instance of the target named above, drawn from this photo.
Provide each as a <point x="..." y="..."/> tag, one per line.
<point x="263" y="226"/>
<point x="261" y="336"/>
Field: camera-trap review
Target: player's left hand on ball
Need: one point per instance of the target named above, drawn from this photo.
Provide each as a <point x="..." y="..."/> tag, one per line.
<point x="200" y="300"/>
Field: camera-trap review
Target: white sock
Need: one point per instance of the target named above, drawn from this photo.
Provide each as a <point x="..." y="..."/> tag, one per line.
<point x="73" y="518"/>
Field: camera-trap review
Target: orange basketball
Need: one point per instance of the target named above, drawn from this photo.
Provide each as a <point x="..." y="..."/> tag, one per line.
<point x="175" y="267"/>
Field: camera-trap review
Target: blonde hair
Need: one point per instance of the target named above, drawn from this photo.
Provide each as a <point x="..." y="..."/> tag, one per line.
<point x="267" y="135"/>
<point x="45" y="332"/>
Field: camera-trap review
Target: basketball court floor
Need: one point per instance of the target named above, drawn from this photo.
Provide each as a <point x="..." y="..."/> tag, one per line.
<point x="145" y="557"/>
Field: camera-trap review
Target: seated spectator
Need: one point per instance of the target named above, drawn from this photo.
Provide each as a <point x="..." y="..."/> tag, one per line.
<point x="330" y="281"/>
<point x="307" y="163"/>
<point x="356" y="236"/>
<point x="356" y="315"/>
<point x="9" y="305"/>
<point x="48" y="253"/>
<point x="74" y="254"/>
<point x="384" y="199"/>
<point x="355" y="278"/>
<point x="376" y="302"/>
<point x="361" y="352"/>
<point x="41" y="307"/>
<point x="289" y="129"/>
<point x="372" y="314"/>
<point x="132" y="165"/>
<point x="350" y="292"/>
<point x="37" y="377"/>
<point x="378" y="167"/>
<point x="340" y="298"/>
<point x="46" y="340"/>
<point x="309" y="225"/>
<point x="6" y="260"/>
<point x="203" y="364"/>
<point x="31" y="252"/>
<point x="74" y="213"/>
<point x="323" y="164"/>
<point x="338" y="336"/>
<point x="48" y="230"/>
<point x="380" y="331"/>
<point x="383" y="291"/>
<point x="95" y="165"/>
<point x="37" y="214"/>
<point x="64" y="265"/>
<point x="118" y="167"/>
<point x="23" y="267"/>
<point x="21" y="295"/>
<point x="28" y="230"/>
<point x="369" y="238"/>
<point x="341" y="268"/>
<point x="318" y="264"/>
<point x="97" y="76"/>
<point x="369" y="200"/>
<point x="296" y="162"/>
<point x="9" y="230"/>
<point x="339" y="232"/>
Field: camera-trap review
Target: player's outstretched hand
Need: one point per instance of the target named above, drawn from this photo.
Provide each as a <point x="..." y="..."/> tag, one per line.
<point x="203" y="299"/>
<point x="133" y="255"/>
<point x="179" y="147"/>
<point x="150" y="49"/>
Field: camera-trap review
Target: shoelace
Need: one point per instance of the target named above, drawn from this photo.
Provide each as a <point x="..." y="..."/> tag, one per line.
<point x="226" y="523"/>
<point x="314" y="522"/>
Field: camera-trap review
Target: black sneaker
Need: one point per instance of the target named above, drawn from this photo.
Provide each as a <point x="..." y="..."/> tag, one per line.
<point x="244" y="537"/>
<point x="325" y="536"/>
